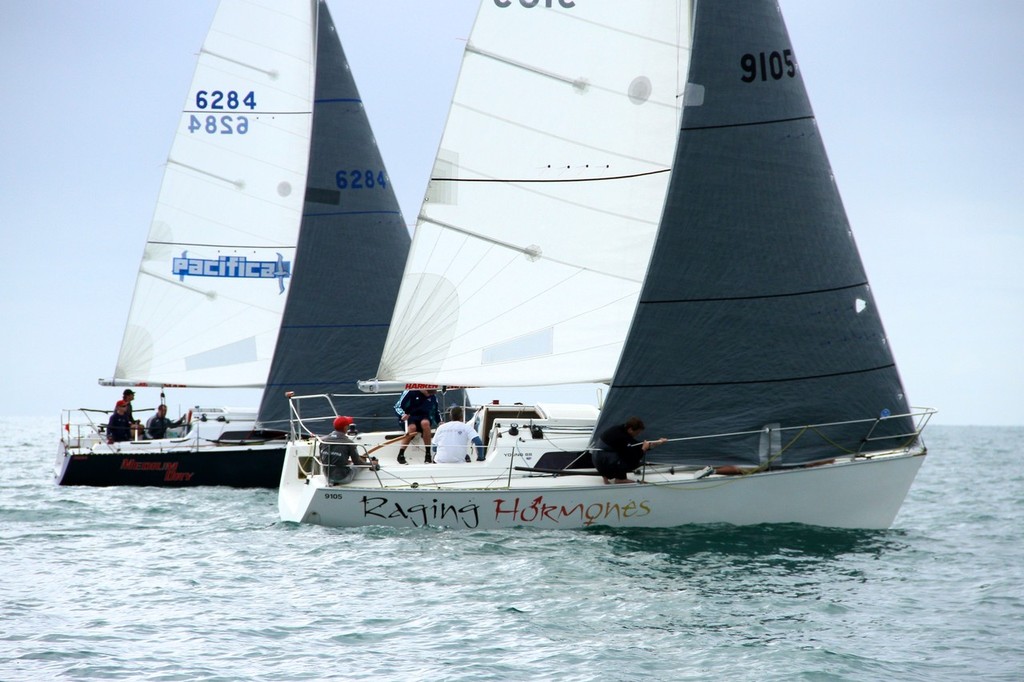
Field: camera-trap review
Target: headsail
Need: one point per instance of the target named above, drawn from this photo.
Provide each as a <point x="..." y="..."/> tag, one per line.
<point x="217" y="264"/>
<point x="545" y="195"/>
<point x="756" y="309"/>
<point x="351" y="251"/>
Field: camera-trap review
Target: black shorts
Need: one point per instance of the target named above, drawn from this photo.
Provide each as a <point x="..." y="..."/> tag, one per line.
<point x="609" y="465"/>
<point x="417" y="422"/>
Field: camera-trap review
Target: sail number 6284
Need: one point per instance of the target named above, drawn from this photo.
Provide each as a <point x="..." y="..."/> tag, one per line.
<point x="218" y="125"/>
<point x="219" y="100"/>
<point x="767" y="65"/>
<point x="360" y="179"/>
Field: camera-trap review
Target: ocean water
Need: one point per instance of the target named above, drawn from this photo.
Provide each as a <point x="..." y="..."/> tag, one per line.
<point x="207" y="584"/>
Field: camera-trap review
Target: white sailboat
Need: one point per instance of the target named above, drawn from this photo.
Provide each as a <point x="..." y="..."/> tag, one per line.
<point x="728" y="308"/>
<point x="274" y="192"/>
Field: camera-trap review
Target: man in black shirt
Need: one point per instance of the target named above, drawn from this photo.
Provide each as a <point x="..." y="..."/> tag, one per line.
<point x="119" y="427"/>
<point x="158" y="424"/>
<point x="621" y="452"/>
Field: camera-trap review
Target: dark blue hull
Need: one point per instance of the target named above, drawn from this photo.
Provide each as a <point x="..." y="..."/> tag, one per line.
<point x="233" y="466"/>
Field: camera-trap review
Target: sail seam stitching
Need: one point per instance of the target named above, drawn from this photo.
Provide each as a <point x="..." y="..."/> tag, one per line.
<point x="760" y="381"/>
<point x="749" y="124"/>
<point x="758" y="298"/>
<point x="613" y="177"/>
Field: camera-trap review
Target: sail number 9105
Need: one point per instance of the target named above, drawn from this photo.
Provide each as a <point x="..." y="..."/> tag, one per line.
<point x="767" y="65"/>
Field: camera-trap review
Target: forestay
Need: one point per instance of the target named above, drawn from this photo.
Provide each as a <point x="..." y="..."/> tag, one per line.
<point x="545" y="196"/>
<point x="216" y="267"/>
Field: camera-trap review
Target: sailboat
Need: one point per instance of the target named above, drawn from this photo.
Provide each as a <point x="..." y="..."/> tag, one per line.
<point x="742" y="329"/>
<point x="274" y="256"/>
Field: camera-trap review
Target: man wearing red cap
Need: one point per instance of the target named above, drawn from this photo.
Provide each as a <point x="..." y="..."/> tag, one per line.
<point x="337" y="450"/>
<point x="119" y="427"/>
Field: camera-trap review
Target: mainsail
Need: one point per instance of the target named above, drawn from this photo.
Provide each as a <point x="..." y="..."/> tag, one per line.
<point x="351" y="251"/>
<point x="217" y="263"/>
<point x="756" y="313"/>
<point x="545" y="196"/>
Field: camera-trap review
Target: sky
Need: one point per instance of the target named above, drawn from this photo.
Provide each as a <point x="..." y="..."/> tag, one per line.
<point x="919" y="103"/>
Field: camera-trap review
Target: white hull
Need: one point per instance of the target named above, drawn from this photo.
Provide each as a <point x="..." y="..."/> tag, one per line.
<point x="861" y="492"/>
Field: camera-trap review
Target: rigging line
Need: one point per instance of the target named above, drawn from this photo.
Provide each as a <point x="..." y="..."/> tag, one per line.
<point x="810" y="377"/>
<point x="609" y="28"/>
<point x="824" y="438"/>
<point x="580" y="84"/>
<point x="238" y="184"/>
<point x="794" y="294"/>
<point x="440" y="344"/>
<point x="272" y="74"/>
<point x="543" y="132"/>
<point x="402" y="338"/>
<point x="276" y="204"/>
<point x="531" y="252"/>
<point x="553" y="180"/>
<point x="246" y="307"/>
<point x="748" y="124"/>
<point x="481" y="289"/>
<point x="207" y="293"/>
<point x="460" y="294"/>
<point x="572" y="352"/>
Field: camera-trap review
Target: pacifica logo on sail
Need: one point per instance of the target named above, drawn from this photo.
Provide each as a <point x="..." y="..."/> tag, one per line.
<point x="232" y="266"/>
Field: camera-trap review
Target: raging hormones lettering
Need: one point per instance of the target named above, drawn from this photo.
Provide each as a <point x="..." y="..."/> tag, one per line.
<point x="515" y="511"/>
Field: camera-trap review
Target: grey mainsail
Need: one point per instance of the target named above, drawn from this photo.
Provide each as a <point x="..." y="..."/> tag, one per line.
<point x="350" y="256"/>
<point x="756" y="311"/>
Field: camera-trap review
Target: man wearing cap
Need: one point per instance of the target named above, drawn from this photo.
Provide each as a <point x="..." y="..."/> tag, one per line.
<point x="136" y="426"/>
<point x="119" y="428"/>
<point x="337" y="450"/>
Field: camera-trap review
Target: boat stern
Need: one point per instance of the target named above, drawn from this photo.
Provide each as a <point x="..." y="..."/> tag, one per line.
<point x="300" y="479"/>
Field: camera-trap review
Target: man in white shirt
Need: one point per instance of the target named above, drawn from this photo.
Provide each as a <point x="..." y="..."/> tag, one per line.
<point x="452" y="437"/>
